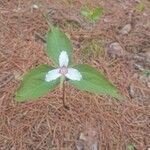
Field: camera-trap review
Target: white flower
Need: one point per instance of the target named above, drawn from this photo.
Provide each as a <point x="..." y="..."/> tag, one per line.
<point x="63" y="70"/>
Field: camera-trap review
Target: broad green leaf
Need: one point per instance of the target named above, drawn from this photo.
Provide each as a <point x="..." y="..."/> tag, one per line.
<point x="34" y="85"/>
<point x="94" y="81"/>
<point x="57" y="42"/>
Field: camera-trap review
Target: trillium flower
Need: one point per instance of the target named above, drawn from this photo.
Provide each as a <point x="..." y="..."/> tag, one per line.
<point x="63" y="70"/>
<point x="82" y="77"/>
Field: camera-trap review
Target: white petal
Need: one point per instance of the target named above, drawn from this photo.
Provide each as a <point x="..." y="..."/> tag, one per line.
<point x="63" y="59"/>
<point x="52" y="75"/>
<point x="73" y="74"/>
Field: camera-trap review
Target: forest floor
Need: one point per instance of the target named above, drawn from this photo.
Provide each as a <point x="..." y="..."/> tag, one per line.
<point x="117" y="45"/>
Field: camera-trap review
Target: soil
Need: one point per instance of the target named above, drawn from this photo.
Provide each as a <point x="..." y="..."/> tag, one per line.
<point x="45" y="124"/>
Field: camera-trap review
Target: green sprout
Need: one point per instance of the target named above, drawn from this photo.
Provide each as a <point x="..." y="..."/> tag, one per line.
<point x="146" y="72"/>
<point x="140" y="7"/>
<point x="131" y="147"/>
<point x="92" y="14"/>
<point x="95" y="48"/>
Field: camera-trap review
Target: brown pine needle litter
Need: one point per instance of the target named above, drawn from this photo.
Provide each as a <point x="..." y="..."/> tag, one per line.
<point x="44" y="124"/>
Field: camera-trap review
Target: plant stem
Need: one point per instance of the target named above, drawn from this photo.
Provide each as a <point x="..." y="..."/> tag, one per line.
<point x="64" y="97"/>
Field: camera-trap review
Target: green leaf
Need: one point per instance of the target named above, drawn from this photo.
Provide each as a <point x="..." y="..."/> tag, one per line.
<point x="57" y="42"/>
<point x="94" y="81"/>
<point x="34" y="85"/>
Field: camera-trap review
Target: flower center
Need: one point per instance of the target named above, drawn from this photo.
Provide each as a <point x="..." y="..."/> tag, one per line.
<point x="63" y="70"/>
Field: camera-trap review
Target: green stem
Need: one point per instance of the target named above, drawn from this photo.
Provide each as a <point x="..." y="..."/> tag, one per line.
<point x="62" y="78"/>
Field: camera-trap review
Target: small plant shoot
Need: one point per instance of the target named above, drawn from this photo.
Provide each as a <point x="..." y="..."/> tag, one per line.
<point x="140" y="7"/>
<point x="131" y="147"/>
<point x="44" y="78"/>
<point x="92" y="14"/>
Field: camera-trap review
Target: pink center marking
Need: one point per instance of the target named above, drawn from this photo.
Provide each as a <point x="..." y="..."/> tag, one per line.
<point x="63" y="70"/>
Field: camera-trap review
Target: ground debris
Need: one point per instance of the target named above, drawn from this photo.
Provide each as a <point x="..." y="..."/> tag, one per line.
<point x="142" y="59"/>
<point x="131" y="91"/>
<point x="87" y="140"/>
<point x="115" y="50"/>
<point x="145" y="79"/>
<point x="126" y="29"/>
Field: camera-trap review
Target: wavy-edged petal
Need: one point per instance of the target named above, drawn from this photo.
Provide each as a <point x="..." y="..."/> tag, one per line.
<point x="63" y="59"/>
<point x="73" y="74"/>
<point x="52" y="75"/>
